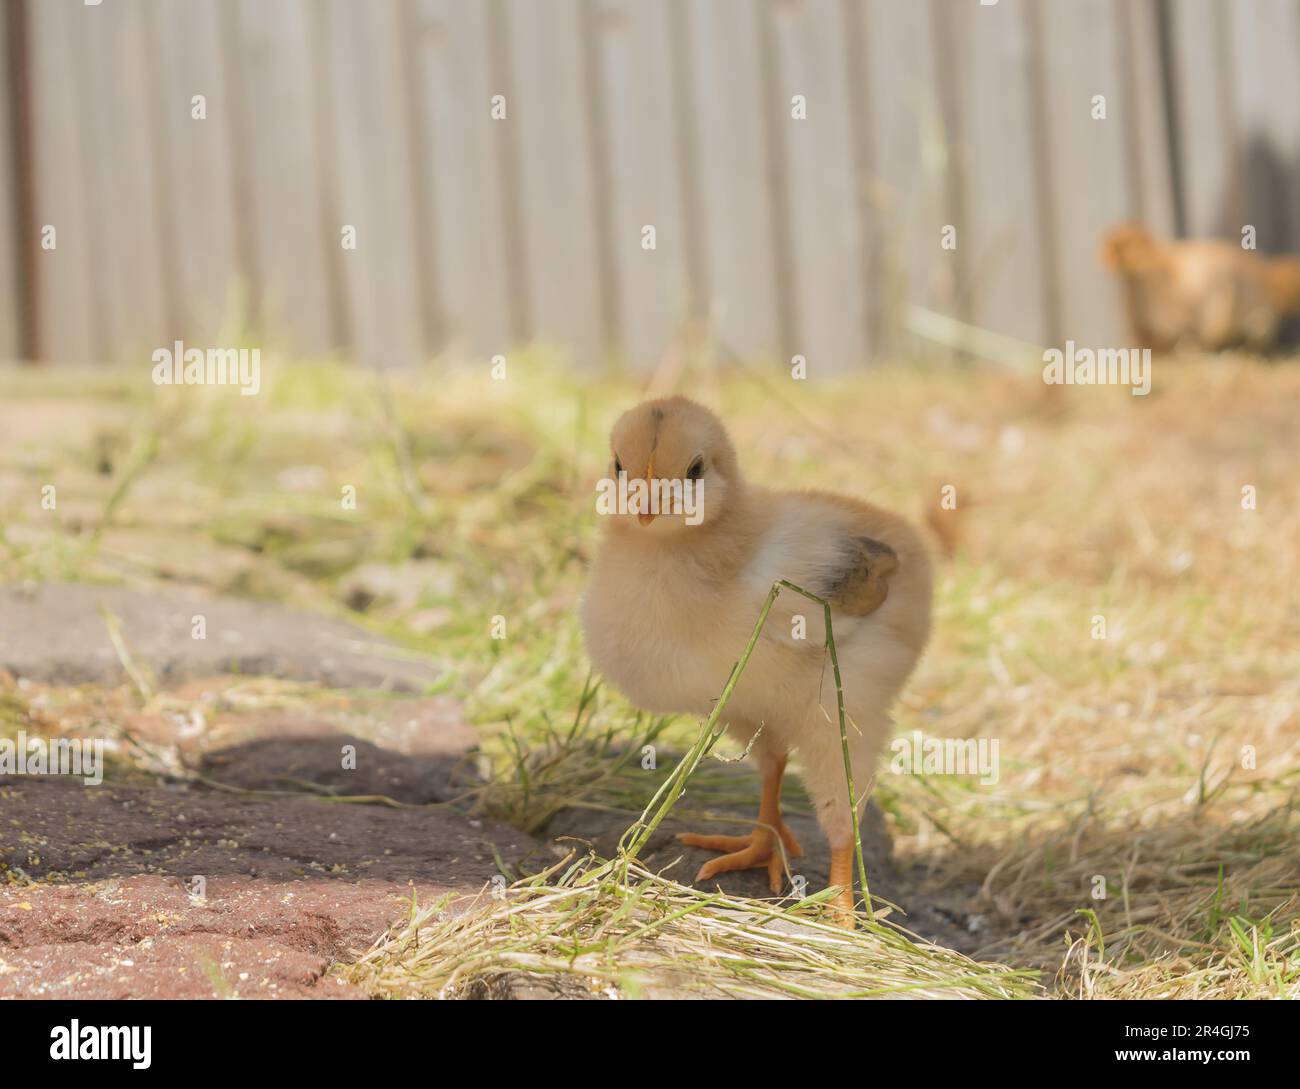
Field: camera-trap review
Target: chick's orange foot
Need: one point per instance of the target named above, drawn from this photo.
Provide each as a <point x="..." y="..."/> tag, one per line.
<point x="749" y="852"/>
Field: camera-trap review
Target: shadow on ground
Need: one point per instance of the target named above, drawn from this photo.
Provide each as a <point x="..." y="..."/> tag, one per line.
<point x="255" y="879"/>
<point x="943" y="916"/>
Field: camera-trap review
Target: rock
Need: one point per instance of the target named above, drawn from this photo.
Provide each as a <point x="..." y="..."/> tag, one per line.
<point x="57" y="634"/>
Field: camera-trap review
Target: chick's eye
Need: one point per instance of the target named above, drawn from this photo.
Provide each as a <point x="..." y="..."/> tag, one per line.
<point x="696" y="470"/>
<point x="618" y="466"/>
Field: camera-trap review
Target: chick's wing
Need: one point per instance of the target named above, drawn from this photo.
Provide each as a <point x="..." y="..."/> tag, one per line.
<point x="830" y="546"/>
<point x="861" y="586"/>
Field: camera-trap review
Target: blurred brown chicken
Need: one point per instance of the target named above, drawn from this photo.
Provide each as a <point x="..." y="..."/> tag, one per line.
<point x="1204" y="293"/>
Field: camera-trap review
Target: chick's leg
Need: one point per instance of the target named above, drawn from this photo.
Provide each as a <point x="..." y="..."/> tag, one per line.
<point x="842" y="875"/>
<point x="759" y="847"/>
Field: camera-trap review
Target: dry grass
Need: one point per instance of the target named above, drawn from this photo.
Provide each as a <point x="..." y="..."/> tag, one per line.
<point x="1164" y="759"/>
<point x="619" y="930"/>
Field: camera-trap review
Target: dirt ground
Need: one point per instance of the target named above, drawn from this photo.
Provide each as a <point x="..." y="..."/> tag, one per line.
<point x="249" y="880"/>
<point x="158" y="887"/>
<point x="290" y="886"/>
<point x="1139" y="840"/>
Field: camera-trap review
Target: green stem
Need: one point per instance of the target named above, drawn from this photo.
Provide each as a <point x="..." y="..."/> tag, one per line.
<point x="844" y="740"/>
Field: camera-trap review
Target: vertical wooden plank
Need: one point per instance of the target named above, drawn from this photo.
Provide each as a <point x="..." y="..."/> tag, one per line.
<point x="829" y="274"/>
<point x="466" y="228"/>
<point x="373" y="164"/>
<point x="549" y="112"/>
<point x="62" y="163"/>
<point x="908" y="187"/>
<point x="1208" y="171"/>
<point x="198" y="166"/>
<point x="115" y="95"/>
<point x="285" y="176"/>
<point x="1090" y="158"/>
<point x="9" y="186"/>
<point x="1147" y="119"/>
<point x="739" y="212"/>
<point x="645" y="174"/>
<point x="1003" y="232"/>
<point x="1264" y="36"/>
<point x="112" y="69"/>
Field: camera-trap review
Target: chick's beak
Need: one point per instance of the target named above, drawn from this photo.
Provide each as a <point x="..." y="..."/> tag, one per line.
<point x="645" y="517"/>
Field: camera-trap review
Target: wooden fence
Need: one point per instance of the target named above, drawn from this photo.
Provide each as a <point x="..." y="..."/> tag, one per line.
<point x="482" y="222"/>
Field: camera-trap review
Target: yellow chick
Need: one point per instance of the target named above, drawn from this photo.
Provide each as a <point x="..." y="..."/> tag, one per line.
<point x="674" y="596"/>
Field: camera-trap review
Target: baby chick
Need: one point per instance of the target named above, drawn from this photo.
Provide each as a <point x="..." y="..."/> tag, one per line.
<point x="671" y="606"/>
